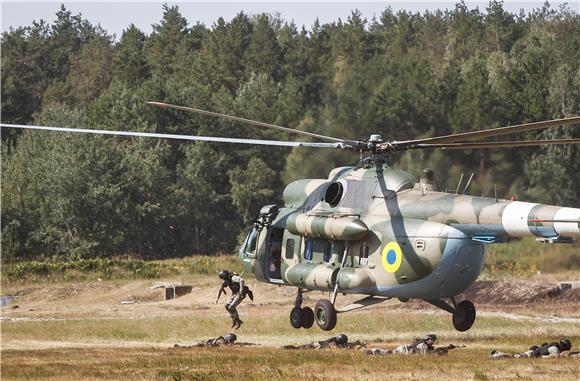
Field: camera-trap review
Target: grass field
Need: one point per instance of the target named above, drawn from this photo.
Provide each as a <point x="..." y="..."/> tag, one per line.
<point x="70" y="324"/>
<point x="272" y="364"/>
<point x="141" y="348"/>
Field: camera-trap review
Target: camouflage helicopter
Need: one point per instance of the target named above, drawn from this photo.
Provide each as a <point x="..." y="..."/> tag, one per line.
<point x="376" y="231"/>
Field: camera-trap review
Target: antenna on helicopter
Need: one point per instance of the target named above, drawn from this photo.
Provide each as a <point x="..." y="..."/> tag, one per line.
<point x="468" y="183"/>
<point x="459" y="184"/>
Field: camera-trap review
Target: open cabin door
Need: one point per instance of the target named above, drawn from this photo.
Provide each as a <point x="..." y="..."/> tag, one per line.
<point x="262" y="249"/>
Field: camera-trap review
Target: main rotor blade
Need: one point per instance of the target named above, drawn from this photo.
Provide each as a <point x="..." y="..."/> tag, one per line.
<point x="510" y="144"/>
<point x="249" y="121"/>
<point x="182" y="137"/>
<point x="490" y="132"/>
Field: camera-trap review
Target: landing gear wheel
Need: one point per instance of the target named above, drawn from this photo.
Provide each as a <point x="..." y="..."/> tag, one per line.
<point x="464" y="318"/>
<point x="325" y="314"/>
<point x="296" y="317"/>
<point x="307" y="317"/>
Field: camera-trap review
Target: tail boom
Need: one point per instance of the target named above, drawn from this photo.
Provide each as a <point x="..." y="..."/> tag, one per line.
<point x="521" y="219"/>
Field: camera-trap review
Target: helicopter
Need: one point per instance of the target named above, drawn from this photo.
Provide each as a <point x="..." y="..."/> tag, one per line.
<point x="376" y="231"/>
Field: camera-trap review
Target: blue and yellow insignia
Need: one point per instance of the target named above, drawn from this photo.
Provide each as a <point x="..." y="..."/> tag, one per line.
<point x="392" y="257"/>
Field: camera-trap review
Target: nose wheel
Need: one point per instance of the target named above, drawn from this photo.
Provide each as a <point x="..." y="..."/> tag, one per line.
<point x="324" y="314"/>
<point x="302" y="317"/>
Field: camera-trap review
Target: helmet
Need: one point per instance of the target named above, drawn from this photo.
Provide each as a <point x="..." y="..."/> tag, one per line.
<point x="224" y="274"/>
<point x="341" y="339"/>
<point x="431" y="337"/>
<point x="565" y="344"/>
<point x="230" y="338"/>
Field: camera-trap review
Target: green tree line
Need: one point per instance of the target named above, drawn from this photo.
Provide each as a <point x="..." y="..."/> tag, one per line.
<point x="402" y="75"/>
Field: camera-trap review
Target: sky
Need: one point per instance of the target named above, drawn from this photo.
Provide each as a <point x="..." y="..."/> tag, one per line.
<point x="114" y="16"/>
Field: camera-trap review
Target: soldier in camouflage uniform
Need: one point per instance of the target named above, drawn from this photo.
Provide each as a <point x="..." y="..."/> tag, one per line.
<point x="339" y="341"/>
<point x="545" y="350"/>
<point x="420" y="346"/>
<point x="229" y="339"/>
<point x="239" y="291"/>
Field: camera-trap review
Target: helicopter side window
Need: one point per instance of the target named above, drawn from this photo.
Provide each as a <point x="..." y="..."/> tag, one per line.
<point x="290" y="248"/>
<point x="363" y="256"/>
<point x="327" y="251"/>
<point x="338" y="249"/>
<point x="333" y="194"/>
<point x="308" y="249"/>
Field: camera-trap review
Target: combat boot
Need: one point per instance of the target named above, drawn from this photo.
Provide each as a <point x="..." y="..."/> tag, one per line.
<point x="247" y="292"/>
<point x="237" y="324"/>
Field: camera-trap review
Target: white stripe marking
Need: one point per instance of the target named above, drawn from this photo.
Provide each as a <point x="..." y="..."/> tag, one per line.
<point x="515" y="218"/>
<point x="567" y="229"/>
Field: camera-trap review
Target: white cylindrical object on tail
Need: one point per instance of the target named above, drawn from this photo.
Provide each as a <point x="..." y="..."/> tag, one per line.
<point x="515" y="218"/>
<point x="566" y="222"/>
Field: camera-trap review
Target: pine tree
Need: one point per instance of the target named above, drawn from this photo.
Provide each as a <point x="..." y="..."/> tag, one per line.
<point x="167" y="46"/>
<point x="129" y="62"/>
<point x="263" y="55"/>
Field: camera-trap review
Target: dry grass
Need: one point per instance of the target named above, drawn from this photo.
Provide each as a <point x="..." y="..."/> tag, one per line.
<point x="271" y="364"/>
<point x="79" y="330"/>
<point x="274" y="329"/>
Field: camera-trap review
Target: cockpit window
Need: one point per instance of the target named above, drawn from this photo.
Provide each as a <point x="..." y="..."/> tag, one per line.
<point x="251" y="242"/>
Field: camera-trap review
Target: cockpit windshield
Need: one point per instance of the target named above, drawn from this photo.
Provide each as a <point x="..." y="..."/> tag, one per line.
<point x="249" y="248"/>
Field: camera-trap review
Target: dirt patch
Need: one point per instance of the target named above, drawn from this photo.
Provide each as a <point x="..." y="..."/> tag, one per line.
<point x="104" y="299"/>
<point x="518" y="292"/>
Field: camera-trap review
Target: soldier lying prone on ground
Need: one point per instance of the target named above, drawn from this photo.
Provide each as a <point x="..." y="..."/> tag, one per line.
<point x="545" y="350"/>
<point x="339" y="341"/>
<point x="226" y="340"/>
<point x="420" y="346"/>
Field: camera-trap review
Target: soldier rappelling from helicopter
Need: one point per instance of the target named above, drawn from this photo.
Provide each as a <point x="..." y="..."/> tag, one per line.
<point x="239" y="291"/>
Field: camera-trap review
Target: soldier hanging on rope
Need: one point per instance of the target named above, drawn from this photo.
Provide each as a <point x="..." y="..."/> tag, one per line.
<point x="239" y="292"/>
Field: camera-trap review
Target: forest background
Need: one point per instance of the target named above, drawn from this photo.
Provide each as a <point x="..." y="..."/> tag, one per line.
<point x="402" y="75"/>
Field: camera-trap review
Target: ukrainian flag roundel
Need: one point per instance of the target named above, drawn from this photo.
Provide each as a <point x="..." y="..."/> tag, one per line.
<point x="392" y="257"/>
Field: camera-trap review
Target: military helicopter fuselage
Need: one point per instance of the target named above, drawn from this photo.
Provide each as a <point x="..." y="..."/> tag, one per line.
<point x="376" y="231"/>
